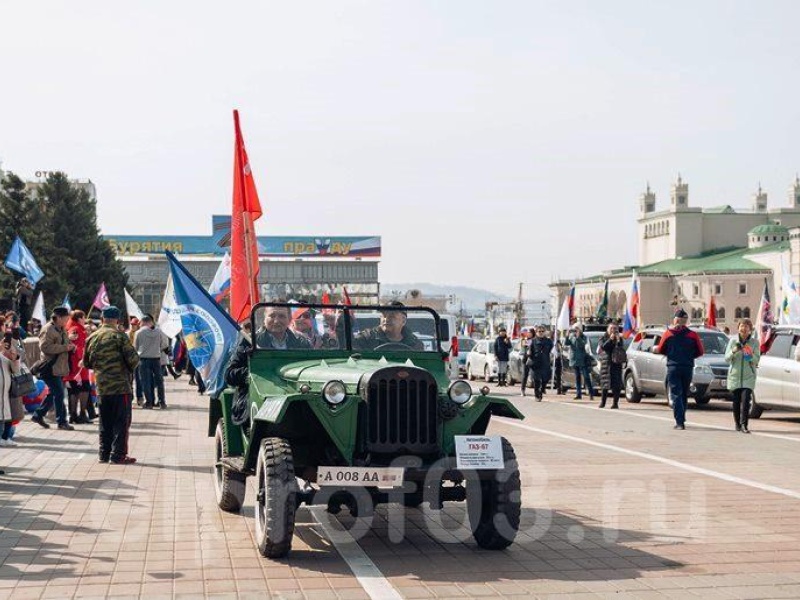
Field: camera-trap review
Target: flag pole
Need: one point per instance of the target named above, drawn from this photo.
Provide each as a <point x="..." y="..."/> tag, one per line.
<point x="247" y="221"/>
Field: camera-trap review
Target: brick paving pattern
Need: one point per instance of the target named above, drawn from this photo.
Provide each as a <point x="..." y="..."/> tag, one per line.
<point x="596" y="524"/>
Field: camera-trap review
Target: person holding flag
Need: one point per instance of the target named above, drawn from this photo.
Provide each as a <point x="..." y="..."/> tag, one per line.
<point x="743" y="354"/>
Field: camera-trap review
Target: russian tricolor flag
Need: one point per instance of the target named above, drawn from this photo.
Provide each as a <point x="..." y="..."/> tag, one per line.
<point x="630" y="324"/>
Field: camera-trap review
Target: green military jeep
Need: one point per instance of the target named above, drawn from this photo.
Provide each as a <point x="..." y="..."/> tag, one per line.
<point x="351" y="406"/>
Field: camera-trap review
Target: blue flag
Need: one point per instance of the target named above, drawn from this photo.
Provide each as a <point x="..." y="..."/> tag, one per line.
<point x="21" y="260"/>
<point x="67" y="303"/>
<point x="209" y="332"/>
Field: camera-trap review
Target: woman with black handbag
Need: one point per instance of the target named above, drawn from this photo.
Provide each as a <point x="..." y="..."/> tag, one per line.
<point x="611" y="351"/>
<point x="9" y="365"/>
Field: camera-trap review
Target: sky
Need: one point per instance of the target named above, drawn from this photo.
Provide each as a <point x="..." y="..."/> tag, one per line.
<point x="487" y="142"/>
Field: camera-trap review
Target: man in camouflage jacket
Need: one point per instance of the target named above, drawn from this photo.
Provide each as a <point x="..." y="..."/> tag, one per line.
<point x="111" y="355"/>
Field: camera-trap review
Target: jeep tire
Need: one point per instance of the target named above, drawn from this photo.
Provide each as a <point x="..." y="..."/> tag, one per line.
<point x="229" y="486"/>
<point x="470" y="376"/>
<point x="276" y="497"/>
<point x="632" y="393"/>
<point x="495" y="521"/>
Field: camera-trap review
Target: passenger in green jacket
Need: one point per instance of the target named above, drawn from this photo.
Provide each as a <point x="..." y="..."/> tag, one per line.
<point x="111" y="355"/>
<point x="742" y="353"/>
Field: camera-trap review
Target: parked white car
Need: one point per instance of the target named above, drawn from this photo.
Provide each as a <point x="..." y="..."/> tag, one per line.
<point x="481" y="361"/>
<point x="778" y="380"/>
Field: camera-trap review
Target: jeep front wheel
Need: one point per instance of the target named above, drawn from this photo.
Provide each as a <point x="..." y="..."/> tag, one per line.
<point x="470" y="376"/>
<point x="276" y="498"/>
<point x="494" y="514"/>
<point x="229" y="486"/>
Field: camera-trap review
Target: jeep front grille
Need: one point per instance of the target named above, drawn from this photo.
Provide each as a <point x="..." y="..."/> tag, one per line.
<point x="403" y="411"/>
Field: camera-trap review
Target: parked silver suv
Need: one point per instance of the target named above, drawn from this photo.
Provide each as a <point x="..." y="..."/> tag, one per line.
<point x="778" y="381"/>
<point x="646" y="373"/>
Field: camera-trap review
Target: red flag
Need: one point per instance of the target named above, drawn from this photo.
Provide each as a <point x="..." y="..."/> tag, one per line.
<point x="765" y="320"/>
<point x="515" y="329"/>
<point x="244" y="249"/>
<point x="346" y="296"/>
<point x="711" y="320"/>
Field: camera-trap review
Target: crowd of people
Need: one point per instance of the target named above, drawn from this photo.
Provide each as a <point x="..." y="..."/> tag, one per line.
<point x="89" y="370"/>
<point x="543" y="360"/>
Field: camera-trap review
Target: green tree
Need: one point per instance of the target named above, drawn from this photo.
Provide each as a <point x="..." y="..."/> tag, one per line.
<point x="84" y="259"/>
<point x="16" y="217"/>
<point x="58" y="223"/>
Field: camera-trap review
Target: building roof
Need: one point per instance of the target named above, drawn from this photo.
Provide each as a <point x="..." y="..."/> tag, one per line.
<point x="721" y="261"/>
<point x="769" y="229"/>
<point x="724" y="209"/>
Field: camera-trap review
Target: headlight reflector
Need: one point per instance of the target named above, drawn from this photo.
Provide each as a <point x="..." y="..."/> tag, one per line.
<point x="459" y="392"/>
<point x="334" y="392"/>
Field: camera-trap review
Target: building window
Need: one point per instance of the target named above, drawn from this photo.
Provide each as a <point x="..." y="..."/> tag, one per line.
<point x="746" y="312"/>
<point x="697" y="313"/>
<point x="737" y="313"/>
<point x="721" y="313"/>
<point x="695" y="290"/>
<point x="742" y="288"/>
<point x="718" y="289"/>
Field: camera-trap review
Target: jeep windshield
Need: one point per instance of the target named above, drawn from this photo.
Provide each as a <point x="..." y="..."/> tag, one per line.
<point x="326" y="328"/>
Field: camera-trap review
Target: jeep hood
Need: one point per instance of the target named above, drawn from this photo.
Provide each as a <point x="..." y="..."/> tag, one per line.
<point x="347" y="370"/>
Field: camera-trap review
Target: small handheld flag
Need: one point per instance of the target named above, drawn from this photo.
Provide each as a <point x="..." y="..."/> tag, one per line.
<point x="131" y="307"/>
<point x="38" y="309"/>
<point x="101" y="298"/>
<point x="21" y="260"/>
<point x="221" y="285"/>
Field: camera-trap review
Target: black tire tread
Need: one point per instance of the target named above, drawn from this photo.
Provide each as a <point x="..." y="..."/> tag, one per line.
<point x="504" y="498"/>
<point x="279" y="465"/>
<point x="636" y="397"/>
<point x="233" y="485"/>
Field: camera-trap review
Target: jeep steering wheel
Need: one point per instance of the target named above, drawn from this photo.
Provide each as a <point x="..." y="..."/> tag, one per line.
<point x="393" y="346"/>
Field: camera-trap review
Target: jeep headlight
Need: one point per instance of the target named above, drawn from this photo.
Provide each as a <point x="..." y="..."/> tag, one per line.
<point x="459" y="392"/>
<point x="334" y="392"/>
<point x="703" y="370"/>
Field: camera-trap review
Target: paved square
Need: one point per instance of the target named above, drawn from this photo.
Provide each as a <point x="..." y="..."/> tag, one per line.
<point x="615" y="504"/>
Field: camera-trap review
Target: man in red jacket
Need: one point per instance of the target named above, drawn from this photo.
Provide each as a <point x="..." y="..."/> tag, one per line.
<point x="681" y="346"/>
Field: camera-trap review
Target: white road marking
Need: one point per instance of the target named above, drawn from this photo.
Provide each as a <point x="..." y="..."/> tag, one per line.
<point x="633" y="413"/>
<point x="367" y="574"/>
<point x="654" y="457"/>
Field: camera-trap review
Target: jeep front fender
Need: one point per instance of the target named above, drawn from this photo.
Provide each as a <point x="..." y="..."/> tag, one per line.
<point x="340" y="423"/>
<point x="474" y="417"/>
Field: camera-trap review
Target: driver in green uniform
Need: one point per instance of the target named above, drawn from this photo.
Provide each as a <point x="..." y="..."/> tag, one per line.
<point x="392" y="331"/>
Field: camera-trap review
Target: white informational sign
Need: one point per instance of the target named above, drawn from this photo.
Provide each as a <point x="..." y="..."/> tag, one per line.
<point x="381" y="477"/>
<point x="479" y="452"/>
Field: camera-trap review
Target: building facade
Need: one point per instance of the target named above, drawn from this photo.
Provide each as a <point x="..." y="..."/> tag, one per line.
<point x="688" y="255"/>
<point x="683" y="230"/>
<point x="300" y="268"/>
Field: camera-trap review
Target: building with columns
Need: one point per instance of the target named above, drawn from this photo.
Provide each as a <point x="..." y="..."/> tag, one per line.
<point x="687" y="254"/>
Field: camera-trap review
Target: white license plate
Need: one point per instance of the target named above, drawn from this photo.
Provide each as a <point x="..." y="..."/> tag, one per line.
<point x="723" y="382"/>
<point x="360" y="476"/>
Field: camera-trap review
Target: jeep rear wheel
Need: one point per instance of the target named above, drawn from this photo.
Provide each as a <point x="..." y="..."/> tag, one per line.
<point x="495" y="520"/>
<point x="632" y="393"/>
<point x="276" y="498"/>
<point x="229" y="486"/>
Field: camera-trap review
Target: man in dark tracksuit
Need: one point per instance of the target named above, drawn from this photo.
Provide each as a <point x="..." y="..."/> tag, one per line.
<point x="111" y="355"/>
<point x="681" y="346"/>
